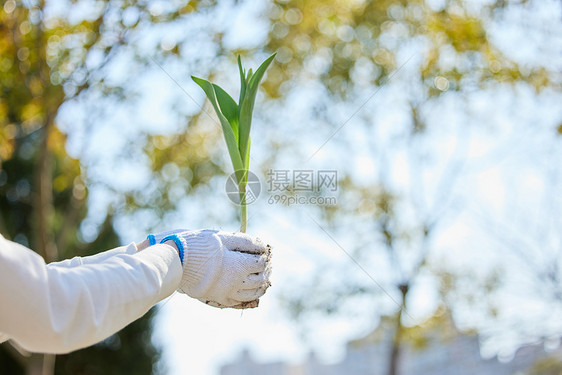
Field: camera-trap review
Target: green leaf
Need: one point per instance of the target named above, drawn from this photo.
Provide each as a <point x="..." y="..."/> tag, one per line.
<point x="242" y="83"/>
<point x="248" y="76"/>
<point x="229" y="136"/>
<point x="229" y="109"/>
<point x="247" y="106"/>
<point x="247" y="157"/>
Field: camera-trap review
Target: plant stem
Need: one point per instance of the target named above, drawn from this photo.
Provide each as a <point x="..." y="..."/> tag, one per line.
<point x="243" y="181"/>
<point x="243" y="216"/>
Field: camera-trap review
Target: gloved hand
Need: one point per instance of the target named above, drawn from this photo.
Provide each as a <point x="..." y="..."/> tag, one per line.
<point x="223" y="269"/>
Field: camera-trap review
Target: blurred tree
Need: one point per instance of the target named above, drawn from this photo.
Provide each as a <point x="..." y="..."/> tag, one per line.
<point x="49" y="58"/>
<point x="446" y="55"/>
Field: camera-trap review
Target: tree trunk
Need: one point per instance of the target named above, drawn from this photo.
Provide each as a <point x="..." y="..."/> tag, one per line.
<point x="44" y="180"/>
<point x="397" y="339"/>
<point x="34" y="365"/>
<point x="44" y="199"/>
<point x="48" y="367"/>
<point x="44" y="211"/>
<point x="395" y="349"/>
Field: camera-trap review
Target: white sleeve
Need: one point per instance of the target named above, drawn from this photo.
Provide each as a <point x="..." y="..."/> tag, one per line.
<point x="96" y="258"/>
<point x="53" y="309"/>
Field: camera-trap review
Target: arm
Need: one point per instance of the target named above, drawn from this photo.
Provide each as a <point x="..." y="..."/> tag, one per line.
<point x="96" y="258"/>
<point x="100" y="257"/>
<point x="56" y="309"/>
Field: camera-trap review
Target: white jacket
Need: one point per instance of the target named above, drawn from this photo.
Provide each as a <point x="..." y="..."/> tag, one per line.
<point x="65" y="306"/>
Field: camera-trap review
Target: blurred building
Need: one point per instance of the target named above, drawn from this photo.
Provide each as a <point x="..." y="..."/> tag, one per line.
<point x="436" y="351"/>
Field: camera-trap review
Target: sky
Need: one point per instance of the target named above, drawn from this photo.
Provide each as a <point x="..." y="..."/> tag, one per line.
<point x="511" y="158"/>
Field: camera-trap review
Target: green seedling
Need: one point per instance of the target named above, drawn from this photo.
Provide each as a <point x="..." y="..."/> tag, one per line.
<point x="236" y="121"/>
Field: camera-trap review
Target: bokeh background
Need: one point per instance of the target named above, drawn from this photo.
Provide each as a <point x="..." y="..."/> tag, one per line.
<point x="442" y="118"/>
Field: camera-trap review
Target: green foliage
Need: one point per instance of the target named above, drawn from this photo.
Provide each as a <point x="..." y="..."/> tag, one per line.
<point x="227" y="128"/>
<point x="18" y="189"/>
<point x="454" y="55"/>
<point x="247" y="106"/>
<point x="549" y="365"/>
<point x="44" y="190"/>
<point x="129" y="351"/>
<point x="345" y="35"/>
<point x="236" y="121"/>
<point x="43" y="66"/>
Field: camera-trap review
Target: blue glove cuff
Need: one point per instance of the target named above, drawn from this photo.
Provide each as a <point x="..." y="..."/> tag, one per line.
<point x="151" y="239"/>
<point x="178" y="242"/>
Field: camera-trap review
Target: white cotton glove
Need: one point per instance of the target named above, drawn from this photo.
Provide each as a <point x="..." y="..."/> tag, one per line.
<point x="223" y="269"/>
